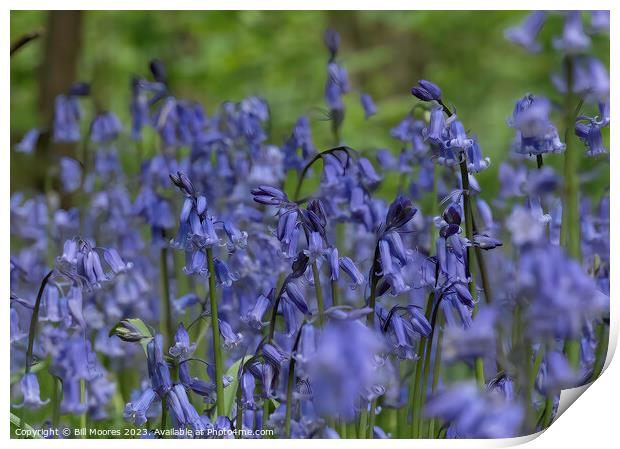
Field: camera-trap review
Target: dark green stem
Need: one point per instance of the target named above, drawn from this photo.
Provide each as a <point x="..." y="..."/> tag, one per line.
<point x="166" y="326"/>
<point x="570" y="229"/>
<point x="414" y="392"/>
<point x="215" y="326"/>
<point x="427" y="365"/>
<point x="364" y="414"/>
<point x="436" y="369"/>
<point x="334" y="288"/>
<point x="601" y="350"/>
<point x="56" y="395"/>
<point x="539" y="161"/>
<point x="32" y="331"/>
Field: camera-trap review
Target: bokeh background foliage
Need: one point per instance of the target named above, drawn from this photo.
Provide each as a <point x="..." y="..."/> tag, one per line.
<point x="227" y="55"/>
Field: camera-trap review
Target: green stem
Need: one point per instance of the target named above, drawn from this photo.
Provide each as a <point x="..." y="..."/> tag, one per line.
<point x="371" y="420"/>
<point x="164" y="413"/>
<point x="370" y="321"/>
<point x="239" y="393"/>
<point x="570" y="230"/>
<point x="165" y="325"/>
<point x="548" y="416"/>
<point x="414" y="392"/>
<point x="363" y="424"/>
<point x="601" y="350"/>
<point x="83" y="416"/>
<point x="319" y="293"/>
<point x="289" y="398"/>
<point x="215" y="327"/>
<point x="436" y="369"/>
<point x="56" y="395"/>
<point x="265" y="412"/>
<point x="539" y="161"/>
<point x="334" y="287"/>
<point x="32" y="331"/>
<point x="530" y="418"/>
<point x="343" y="429"/>
<point x="427" y="367"/>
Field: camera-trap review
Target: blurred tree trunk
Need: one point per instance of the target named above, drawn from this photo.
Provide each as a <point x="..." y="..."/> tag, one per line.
<point x="60" y="58"/>
<point x="58" y="72"/>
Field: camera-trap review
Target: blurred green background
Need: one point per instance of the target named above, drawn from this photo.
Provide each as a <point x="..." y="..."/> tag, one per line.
<point x="217" y="56"/>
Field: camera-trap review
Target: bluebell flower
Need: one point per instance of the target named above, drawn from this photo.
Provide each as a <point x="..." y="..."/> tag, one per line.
<point x="426" y="91"/>
<point x="182" y="411"/>
<point x="238" y="239"/>
<point x="574" y="40"/>
<point x="556" y="374"/>
<point x="17" y="329"/>
<point x="386" y="160"/>
<point x="230" y="339"/>
<point x="526" y="227"/>
<point x="295" y="295"/>
<point x="274" y="356"/>
<point x="159" y="372"/>
<point x="599" y="22"/>
<point x="525" y="34"/>
<point x="340" y="372"/>
<point x="28" y="144"/>
<point x="81" y="262"/>
<point x="75" y="360"/>
<point x="70" y="174"/>
<point x="254" y="317"/>
<point x="401" y="331"/>
<point x="135" y="412"/>
<point x="105" y="127"/>
<point x="349" y="267"/>
<point x="590" y="79"/>
<point x="71" y="398"/>
<point x="223" y="275"/>
<point x="476" y="414"/>
<point x="67" y="114"/>
<point x="300" y="139"/>
<point x="99" y="392"/>
<point x="369" y="106"/>
<point x="589" y="131"/>
<point x="332" y="42"/>
<point x="475" y="161"/>
<point x="477" y="340"/>
<point x="336" y="86"/>
<point x="30" y="390"/>
<point x="368" y="171"/>
<point x="269" y="195"/>
<point x="562" y="297"/>
<point x="435" y="132"/>
<point x="347" y="313"/>
<point x="139" y="108"/>
<point x="182" y="348"/>
<point x="535" y="132"/>
<point x="248" y="385"/>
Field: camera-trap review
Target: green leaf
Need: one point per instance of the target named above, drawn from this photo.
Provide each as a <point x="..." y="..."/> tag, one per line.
<point x="17" y="423"/>
<point x="230" y="390"/>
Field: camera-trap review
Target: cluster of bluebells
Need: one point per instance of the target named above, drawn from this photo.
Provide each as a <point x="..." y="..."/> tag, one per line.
<point x="203" y="296"/>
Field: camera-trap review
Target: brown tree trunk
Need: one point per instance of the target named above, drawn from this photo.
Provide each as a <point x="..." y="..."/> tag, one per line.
<point x="58" y="72"/>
